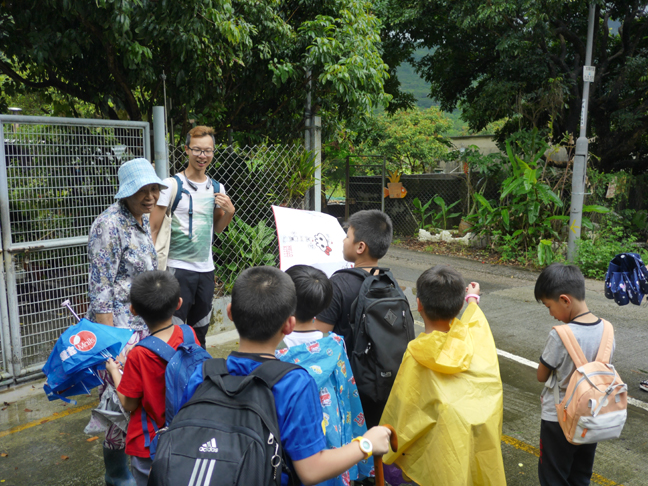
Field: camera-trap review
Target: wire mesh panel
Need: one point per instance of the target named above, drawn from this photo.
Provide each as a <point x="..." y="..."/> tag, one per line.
<point x="61" y="177"/>
<point x="44" y="279"/>
<point x="255" y="178"/>
<point x="365" y="193"/>
<point x="56" y="176"/>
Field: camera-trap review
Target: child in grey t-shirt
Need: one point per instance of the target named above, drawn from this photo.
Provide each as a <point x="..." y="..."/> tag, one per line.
<point x="561" y="288"/>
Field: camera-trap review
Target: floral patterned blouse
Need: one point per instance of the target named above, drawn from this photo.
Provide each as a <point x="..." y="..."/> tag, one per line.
<point x="119" y="248"/>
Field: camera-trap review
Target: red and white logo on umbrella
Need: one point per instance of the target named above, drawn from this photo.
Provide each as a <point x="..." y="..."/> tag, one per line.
<point x="83" y="340"/>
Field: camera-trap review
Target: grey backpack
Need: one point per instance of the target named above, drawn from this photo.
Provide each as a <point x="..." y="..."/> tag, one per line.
<point x="382" y="325"/>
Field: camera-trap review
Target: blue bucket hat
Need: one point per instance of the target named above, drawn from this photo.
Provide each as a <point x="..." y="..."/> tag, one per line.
<point x="135" y="174"/>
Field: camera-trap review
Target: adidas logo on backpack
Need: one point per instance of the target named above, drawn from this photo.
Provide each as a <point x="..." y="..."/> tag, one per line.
<point x="209" y="446"/>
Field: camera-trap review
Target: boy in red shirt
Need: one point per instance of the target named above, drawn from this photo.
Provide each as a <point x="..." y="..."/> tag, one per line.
<point x="154" y="296"/>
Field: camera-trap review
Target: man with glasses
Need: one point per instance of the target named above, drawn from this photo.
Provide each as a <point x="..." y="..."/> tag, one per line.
<point x="203" y="209"/>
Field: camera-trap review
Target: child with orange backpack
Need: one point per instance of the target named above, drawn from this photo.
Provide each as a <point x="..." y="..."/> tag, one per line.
<point x="582" y="388"/>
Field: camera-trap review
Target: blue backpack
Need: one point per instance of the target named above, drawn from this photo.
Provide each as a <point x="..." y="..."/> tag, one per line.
<point x="626" y="279"/>
<point x="181" y="363"/>
<point x="181" y="190"/>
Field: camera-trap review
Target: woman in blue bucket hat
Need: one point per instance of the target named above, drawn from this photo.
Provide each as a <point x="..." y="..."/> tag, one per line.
<point x="119" y="248"/>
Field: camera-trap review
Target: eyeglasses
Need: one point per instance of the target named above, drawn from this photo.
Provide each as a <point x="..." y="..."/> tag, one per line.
<point x="198" y="152"/>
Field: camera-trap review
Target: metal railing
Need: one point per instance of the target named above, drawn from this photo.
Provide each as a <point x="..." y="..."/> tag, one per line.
<point x="56" y="176"/>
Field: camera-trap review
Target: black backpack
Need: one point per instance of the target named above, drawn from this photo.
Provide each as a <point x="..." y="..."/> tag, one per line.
<point x="382" y="326"/>
<point x="227" y="433"/>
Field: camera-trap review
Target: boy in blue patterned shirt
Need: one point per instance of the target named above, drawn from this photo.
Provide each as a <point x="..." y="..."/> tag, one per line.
<point x="325" y="359"/>
<point x="262" y="309"/>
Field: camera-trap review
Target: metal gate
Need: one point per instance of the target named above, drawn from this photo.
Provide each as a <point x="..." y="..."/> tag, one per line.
<point x="56" y="176"/>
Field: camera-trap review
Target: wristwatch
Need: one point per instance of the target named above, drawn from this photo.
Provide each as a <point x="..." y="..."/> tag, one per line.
<point x="365" y="446"/>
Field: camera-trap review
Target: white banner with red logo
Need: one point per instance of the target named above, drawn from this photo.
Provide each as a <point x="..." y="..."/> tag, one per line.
<point x="309" y="238"/>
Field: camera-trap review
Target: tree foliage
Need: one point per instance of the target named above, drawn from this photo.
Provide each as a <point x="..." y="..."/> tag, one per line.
<point x="412" y="140"/>
<point x="243" y="65"/>
<point x="523" y="60"/>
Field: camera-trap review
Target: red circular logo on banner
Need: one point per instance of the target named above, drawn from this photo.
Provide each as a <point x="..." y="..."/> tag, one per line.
<point x="83" y="340"/>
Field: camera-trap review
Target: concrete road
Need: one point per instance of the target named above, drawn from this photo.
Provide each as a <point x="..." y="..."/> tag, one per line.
<point x="45" y="445"/>
<point x="520" y="326"/>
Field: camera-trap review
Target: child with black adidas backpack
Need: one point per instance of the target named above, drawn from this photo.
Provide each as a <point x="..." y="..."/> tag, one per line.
<point x="370" y="311"/>
<point x="252" y="419"/>
<point x="154" y="296"/>
<point x="325" y="359"/>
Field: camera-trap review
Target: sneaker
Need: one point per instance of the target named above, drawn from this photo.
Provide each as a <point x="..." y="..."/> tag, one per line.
<point x="644" y="385"/>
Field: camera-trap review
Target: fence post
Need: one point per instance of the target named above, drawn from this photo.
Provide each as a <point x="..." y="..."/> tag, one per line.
<point x="346" y="192"/>
<point x="317" y="147"/>
<point x="309" y="147"/>
<point x="11" y="326"/>
<point x="382" y="187"/>
<point x="159" y="142"/>
<point x="5" y="232"/>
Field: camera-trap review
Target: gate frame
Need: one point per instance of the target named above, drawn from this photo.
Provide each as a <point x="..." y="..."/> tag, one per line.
<point x="348" y="170"/>
<point x="10" y="330"/>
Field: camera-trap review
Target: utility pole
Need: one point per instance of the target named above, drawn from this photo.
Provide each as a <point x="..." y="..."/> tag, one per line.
<point x="580" y="158"/>
<point x="308" y="139"/>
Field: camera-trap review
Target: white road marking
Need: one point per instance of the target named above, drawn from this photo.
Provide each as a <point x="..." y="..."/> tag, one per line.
<point x="225" y="337"/>
<point x="519" y="359"/>
<point x="532" y="364"/>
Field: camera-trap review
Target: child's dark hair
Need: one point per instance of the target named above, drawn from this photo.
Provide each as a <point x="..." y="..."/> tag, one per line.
<point x="262" y="299"/>
<point x="154" y="295"/>
<point x="375" y="229"/>
<point x="441" y="291"/>
<point x="314" y="291"/>
<point x="558" y="279"/>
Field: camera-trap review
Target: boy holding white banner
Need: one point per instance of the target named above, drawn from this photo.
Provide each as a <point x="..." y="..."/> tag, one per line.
<point x="368" y="238"/>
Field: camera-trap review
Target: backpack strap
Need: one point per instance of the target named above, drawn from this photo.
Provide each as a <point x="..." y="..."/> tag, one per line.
<point x="216" y="186"/>
<point x="181" y="190"/>
<point x="187" y="334"/>
<point x="151" y="445"/>
<point x="607" y="342"/>
<point x="359" y="272"/>
<point x="571" y="345"/>
<point x="176" y="195"/>
<point x="159" y="347"/>
<point x="272" y="371"/>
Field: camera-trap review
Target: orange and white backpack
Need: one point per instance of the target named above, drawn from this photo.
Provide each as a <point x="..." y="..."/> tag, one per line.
<point x="596" y="400"/>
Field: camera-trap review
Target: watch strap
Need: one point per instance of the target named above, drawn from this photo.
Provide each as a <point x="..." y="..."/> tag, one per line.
<point x="359" y="440"/>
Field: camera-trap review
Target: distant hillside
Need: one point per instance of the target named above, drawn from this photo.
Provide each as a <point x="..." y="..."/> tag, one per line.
<point x="411" y="82"/>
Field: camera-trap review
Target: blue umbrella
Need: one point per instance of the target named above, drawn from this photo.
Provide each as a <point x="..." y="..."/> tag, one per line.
<point x="79" y="352"/>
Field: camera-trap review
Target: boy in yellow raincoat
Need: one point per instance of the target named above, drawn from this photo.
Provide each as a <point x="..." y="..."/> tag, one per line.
<point x="446" y="404"/>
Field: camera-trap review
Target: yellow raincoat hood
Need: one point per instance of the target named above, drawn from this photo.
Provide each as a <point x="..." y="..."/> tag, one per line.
<point x="446" y="406"/>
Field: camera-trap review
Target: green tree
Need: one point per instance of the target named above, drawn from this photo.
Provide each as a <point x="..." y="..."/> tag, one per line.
<point x="234" y="64"/>
<point x="412" y="140"/>
<point x="523" y="60"/>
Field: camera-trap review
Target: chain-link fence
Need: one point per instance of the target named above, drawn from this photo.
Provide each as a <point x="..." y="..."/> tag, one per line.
<point x="56" y="176"/>
<point x="255" y="178"/>
<point x="367" y="188"/>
